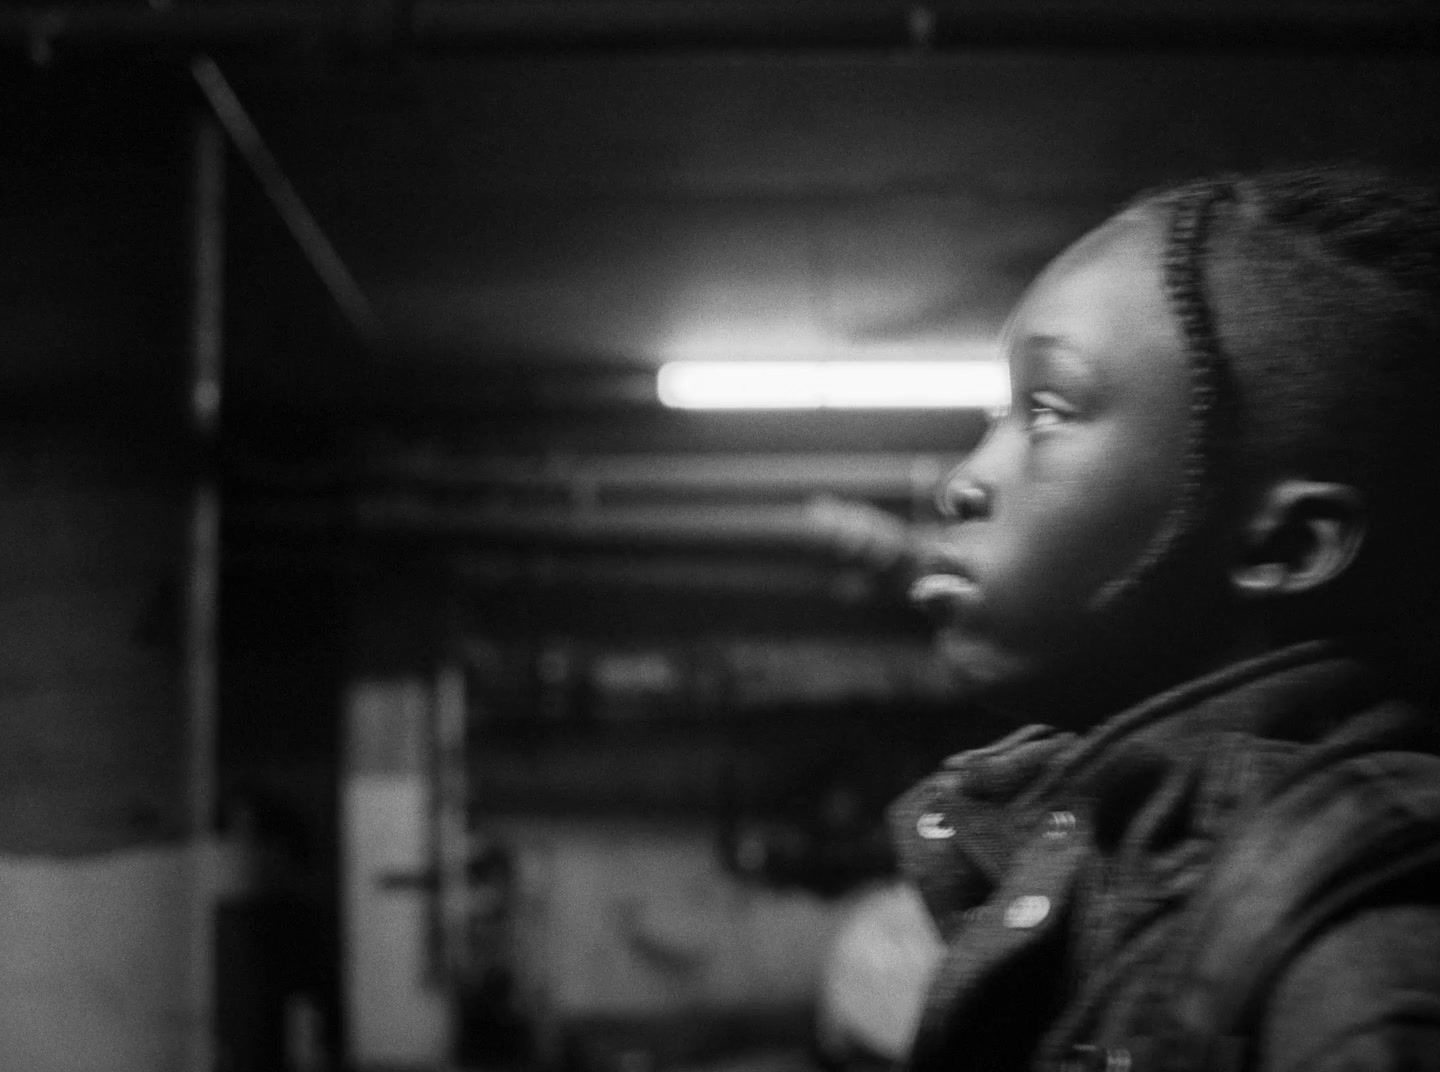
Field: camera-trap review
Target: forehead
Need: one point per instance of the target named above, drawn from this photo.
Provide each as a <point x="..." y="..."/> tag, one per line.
<point x="1103" y="300"/>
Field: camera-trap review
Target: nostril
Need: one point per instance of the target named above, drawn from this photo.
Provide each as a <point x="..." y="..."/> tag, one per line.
<point x="963" y="500"/>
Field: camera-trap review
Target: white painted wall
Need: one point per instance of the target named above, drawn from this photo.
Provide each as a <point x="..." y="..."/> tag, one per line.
<point x="632" y="919"/>
<point x="612" y="918"/>
<point x="102" y="966"/>
<point x="94" y="972"/>
<point x="397" y="1016"/>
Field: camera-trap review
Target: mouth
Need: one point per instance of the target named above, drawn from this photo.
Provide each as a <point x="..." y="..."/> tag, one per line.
<point x="941" y="588"/>
<point x="942" y="584"/>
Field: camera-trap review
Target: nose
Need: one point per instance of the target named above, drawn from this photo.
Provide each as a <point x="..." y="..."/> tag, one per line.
<point x="967" y="493"/>
<point x="960" y="497"/>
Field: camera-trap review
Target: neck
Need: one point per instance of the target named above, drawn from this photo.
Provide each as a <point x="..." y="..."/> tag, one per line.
<point x="1087" y="693"/>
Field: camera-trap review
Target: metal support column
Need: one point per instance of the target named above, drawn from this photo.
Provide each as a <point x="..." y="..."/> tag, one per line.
<point x="202" y="587"/>
<point x="451" y="842"/>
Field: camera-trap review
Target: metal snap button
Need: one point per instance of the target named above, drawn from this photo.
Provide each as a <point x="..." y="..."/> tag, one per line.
<point x="932" y="826"/>
<point x="1026" y="912"/>
<point x="1060" y="824"/>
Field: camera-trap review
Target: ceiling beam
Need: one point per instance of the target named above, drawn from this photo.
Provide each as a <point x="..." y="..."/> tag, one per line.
<point x="568" y="26"/>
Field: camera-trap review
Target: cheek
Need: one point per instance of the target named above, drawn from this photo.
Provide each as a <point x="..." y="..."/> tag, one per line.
<point x="1077" y="527"/>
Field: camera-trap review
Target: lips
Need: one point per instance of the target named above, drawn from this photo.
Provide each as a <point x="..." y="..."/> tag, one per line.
<point x="942" y="582"/>
<point x="941" y="588"/>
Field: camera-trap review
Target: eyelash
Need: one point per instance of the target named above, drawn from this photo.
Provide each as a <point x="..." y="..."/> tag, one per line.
<point x="1045" y="409"/>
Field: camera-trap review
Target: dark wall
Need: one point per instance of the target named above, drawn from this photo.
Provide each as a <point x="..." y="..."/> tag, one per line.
<point x="92" y="461"/>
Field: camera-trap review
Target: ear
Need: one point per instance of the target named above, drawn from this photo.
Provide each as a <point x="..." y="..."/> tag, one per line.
<point x="1302" y="535"/>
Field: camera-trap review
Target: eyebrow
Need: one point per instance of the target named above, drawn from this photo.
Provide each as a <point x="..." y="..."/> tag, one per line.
<point x="1043" y="345"/>
<point x="1059" y="352"/>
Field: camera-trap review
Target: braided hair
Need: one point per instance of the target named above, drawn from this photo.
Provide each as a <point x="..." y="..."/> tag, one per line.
<point x="1309" y="307"/>
<point x="1191" y="209"/>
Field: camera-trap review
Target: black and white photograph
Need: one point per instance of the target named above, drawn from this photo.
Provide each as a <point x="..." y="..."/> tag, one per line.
<point x="720" y="536"/>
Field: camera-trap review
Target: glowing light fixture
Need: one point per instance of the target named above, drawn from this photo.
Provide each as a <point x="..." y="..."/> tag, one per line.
<point x="834" y="384"/>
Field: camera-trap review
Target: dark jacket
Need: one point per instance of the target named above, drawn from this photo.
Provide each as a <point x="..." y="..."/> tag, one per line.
<point x="1065" y="874"/>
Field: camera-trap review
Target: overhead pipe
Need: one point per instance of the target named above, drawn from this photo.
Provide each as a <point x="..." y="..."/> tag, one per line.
<point x="841" y="530"/>
<point x="895" y="475"/>
<point x="596" y="480"/>
<point x="304" y="228"/>
<point x="599" y="26"/>
<point x="824" y="525"/>
<point x="824" y="506"/>
<point x="696" y="572"/>
<point x="693" y="574"/>
<point x="799" y="24"/>
<point x="43" y="30"/>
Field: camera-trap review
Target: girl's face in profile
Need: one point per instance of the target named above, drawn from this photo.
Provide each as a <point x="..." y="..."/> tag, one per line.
<point x="1070" y="488"/>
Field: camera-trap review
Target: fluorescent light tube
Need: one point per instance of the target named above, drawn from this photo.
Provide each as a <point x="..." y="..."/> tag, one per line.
<point x="834" y="384"/>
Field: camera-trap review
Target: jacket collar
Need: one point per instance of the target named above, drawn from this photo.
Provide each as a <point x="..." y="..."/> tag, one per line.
<point x="1295" y="695"/>
<point x="1173" y="767"/>
<point x="1152" y="791"/>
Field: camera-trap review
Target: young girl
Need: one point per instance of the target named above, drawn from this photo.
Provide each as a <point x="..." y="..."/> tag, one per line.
<point x="1198" y="552"/>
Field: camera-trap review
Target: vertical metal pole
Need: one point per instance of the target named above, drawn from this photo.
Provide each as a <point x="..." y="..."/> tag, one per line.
<point x="451" y="843"/>
<point x="202" y="589"/>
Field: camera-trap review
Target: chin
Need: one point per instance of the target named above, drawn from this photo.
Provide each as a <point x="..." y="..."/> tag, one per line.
<point x="1025" y="686"/>
<point x="984" y="672"/>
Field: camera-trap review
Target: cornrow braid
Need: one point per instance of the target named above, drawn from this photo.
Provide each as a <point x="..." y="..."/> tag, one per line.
<point x="1191" y="216"/>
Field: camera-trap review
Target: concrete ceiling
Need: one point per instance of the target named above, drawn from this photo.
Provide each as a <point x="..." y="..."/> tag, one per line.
<point x="574" y="215"/>
<point x="633" y="209"/>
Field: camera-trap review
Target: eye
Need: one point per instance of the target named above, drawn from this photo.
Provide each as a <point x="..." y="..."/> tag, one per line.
<point x="1046" y="409"/>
